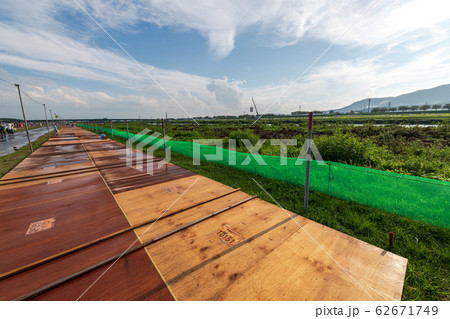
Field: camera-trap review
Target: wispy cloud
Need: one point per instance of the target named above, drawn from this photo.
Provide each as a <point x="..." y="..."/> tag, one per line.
<point x="409" y="40"/>
<point x="284" y="22"/>
<point x="342" y="82"/>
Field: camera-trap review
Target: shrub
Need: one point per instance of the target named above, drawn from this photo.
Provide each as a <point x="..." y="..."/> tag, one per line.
<point x="240" y="135"/>
<point x="185" y="136"/>
<point x="347" y="148"/>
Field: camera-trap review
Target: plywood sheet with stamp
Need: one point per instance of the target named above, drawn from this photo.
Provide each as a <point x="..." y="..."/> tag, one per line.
<point x="229" y="236"/>
<point x="41" y="226"/>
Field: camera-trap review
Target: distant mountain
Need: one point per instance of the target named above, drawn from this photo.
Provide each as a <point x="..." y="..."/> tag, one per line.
<point x="437" y="95"/>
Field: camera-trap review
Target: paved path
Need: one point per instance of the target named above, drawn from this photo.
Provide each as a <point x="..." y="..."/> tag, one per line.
<point x="20" y="139"/>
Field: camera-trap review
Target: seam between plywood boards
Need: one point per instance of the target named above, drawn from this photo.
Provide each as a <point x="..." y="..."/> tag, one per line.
<point x="159" y="272"/>
<point x="107" y="186"/>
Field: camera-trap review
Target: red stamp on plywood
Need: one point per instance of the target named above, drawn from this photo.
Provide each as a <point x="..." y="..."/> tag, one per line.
<point x="41" y="226"/>
<point x="229" y="236"/>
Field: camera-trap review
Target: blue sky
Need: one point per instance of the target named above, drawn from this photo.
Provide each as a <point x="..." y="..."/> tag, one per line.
<point x="212" y="57"/>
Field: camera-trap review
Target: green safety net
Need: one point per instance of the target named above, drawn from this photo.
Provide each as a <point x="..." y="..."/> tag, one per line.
<point x="419" y="198"/>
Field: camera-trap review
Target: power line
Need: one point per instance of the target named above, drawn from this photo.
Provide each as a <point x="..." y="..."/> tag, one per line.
<point x="31" y="97"/>
<point x="21" y="90"/>
<point x="6" y="81"/>
<point x="27" y="95"/>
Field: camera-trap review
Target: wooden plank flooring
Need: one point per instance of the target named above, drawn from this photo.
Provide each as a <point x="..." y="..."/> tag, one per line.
<point x="204" y="240"/>
<point x="84" y="209"/>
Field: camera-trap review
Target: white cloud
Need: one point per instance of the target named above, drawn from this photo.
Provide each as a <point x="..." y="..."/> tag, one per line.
<point x="288" y="21"/>
<point x="35" y="36"/>
<point x="148" y="101"/>
<point x="285" y="22"/>
<point x="340" y="83"/>
<point x="57" y="54"/>
<point x="388" y="23"/>
<point x="226" y="92"/>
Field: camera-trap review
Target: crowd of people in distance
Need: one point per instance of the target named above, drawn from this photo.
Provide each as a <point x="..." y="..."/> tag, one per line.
<point x="7" y="128"/>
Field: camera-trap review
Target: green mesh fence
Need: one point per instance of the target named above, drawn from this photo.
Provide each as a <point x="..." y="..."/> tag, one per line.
<point x="418" y="198"/>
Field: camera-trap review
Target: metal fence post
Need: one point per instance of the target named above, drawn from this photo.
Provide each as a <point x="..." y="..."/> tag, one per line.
<point x="308" y="161"/>
<point x="164" y="138"/>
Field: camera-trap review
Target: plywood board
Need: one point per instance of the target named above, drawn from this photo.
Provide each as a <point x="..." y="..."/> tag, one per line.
<point x="49" y="189"/>
<point x="168" y="223"/>
<point x="277" y="261"/>
<point x="79" y="219"/>
<point x="131" y="278"/>
<point x="19" y="285"/>
<point x="150" y="202"/>
<point x="82" y="209"/>
<point x="336" y="267"/>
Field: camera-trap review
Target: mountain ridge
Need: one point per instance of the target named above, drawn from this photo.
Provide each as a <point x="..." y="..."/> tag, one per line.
<point x="436" y="95"/>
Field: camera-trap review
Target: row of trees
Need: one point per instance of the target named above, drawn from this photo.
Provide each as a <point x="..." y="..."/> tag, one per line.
<point x="404" y="108"/>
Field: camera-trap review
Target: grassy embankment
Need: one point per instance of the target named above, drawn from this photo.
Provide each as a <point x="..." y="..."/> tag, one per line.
<point x="8" y="162"/>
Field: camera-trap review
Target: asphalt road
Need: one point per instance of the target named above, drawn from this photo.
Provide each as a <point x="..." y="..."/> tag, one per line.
<point x="19" y="139"/>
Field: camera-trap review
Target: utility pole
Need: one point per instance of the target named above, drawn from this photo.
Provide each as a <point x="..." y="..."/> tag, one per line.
<point x="51" y="115"/>
<point x="24" y="117"/>
<point x="368" y="106"/>
<point x="46" y="119"/>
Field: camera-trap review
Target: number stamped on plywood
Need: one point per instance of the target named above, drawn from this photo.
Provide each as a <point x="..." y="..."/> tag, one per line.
<point x="41" y="225"/>
<point x="228" y="236"/>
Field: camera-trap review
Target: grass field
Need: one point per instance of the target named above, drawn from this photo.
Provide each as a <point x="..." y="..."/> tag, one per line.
<point x="401" y="148"/>
<point x="425" y="246"/>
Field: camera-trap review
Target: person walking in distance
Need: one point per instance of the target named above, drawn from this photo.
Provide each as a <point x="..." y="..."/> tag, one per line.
<point x="2" y="130"/>
<point x="10" y="128"/>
